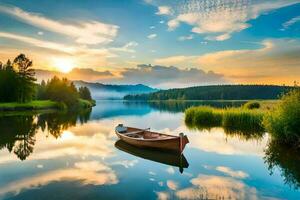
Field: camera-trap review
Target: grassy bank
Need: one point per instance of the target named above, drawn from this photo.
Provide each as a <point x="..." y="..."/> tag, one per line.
<point x="33" y="105"/>
<point x="82" y="103"/>
<point x="43" y="105"/>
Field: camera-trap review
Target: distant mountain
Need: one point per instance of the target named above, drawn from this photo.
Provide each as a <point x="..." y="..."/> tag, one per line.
<point x="108" y="91"/>
<point x="215" y="92"/>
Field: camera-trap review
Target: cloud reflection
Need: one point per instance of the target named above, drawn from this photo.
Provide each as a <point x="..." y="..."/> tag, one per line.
<point x="93" y="172"/>
<point x="215" y="187"/>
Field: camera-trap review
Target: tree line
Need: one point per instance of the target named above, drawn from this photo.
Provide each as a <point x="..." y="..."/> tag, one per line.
<point x="18" y="84"/>
<point x="17" y="80"/>
<point x="215" y="92"/>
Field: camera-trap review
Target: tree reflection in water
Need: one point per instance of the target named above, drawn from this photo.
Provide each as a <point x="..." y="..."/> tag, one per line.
<point x="287" y="159"/>
<point x="177" y="106"/>
<point x="17" y="133"/>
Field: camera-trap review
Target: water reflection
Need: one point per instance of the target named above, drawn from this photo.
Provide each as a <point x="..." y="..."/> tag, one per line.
<point x="168" y="158"/>
<point x="287" y="159"/>
<point x="180" y="106"/>
<point x="76" y="156"/>
<point x="18" y="132"/>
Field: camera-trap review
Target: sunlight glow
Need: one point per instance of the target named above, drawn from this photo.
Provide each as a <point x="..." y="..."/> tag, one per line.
<point x="64" y="65"/>
<point x="67" y="135"/>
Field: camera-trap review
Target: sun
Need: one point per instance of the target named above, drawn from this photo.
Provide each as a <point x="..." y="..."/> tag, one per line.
<point x="64" y="65"/>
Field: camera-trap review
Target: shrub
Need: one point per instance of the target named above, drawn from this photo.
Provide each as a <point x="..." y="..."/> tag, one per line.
<point x="252" y="105"/>
<point x="283" y="122"/>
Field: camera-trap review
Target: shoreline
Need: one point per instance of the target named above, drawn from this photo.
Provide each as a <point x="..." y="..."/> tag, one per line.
<point x="40" y="105"/>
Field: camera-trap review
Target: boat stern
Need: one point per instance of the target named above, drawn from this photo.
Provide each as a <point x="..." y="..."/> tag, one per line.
<point x="183" y="141"/>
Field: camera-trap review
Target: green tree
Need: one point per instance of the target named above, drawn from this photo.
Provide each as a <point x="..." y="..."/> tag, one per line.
<point x="85" y="93"/>
<point x="8" y="84"/>
<point x="8" y="66"/>
<point x="26" y="78"/>
<point x="41" y="91"/>
<point x="62" y="90"/>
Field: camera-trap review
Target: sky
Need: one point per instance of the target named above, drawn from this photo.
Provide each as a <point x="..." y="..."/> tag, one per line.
<point x="161" y="43"/>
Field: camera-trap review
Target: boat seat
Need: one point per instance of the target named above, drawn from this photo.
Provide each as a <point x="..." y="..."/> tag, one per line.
<point x="121" y="129"/>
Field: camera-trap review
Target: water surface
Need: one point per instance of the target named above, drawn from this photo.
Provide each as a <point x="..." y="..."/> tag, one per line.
<point x="77" y="156"/>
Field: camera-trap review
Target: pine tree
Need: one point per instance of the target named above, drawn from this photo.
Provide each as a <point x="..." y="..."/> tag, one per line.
<point x="26" y="78"/>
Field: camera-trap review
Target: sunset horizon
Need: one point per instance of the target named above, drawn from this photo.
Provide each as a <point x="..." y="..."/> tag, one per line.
<point x="175" y="43"/>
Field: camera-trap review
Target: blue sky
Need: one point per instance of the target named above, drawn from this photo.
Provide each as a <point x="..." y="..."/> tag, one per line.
<point x="170" y="43"/>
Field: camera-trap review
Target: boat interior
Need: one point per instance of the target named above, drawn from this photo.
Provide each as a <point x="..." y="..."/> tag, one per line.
<point x="145" y="134"/>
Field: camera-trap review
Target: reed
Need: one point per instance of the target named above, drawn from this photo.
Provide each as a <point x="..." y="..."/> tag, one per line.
<point x="234" y="120"/>
<point x="203" y="116"/>
<point x="243" y="119"/>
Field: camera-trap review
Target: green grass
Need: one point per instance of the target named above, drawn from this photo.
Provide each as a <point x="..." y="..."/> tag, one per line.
<point x="243" y="120"/>
<point x="42" y="105"/>
<point x="33" y="105"/>
<point x="234" y="120"/>
<point x="82" y="103"/>
<point x="203" y="116"/>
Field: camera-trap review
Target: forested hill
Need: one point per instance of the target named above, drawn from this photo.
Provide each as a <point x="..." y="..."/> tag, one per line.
<point x="105" y="91"/>
<point x="215" y="92"/>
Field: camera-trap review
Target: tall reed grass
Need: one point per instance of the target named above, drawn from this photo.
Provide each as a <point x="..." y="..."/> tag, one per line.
<point x="234" y="120"/>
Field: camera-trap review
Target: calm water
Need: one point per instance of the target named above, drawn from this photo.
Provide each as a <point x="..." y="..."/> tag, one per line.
<point x="75" y="156"/>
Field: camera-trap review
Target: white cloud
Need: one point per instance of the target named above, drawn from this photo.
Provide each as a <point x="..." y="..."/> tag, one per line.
<point x="232" y="173"/>
<point x="187" y="37"/>
<point x="56" y="46"/>
<point x="165" y="77"/>
<point x="152" y="36"/>
<point x="82" y="171"/>
<point x="277" y="61"/>
<point x="87" y="32"/>
<point x="152" y="27"/>
<point x="40" y="33"/>
<point x="152" y="173"/>
<point x="39" y="43"/>
<point x="219" y="19"/>
<point x="172" y="184"/>
<point x="127" y="47"/>
<point x="164" y="10"/>
<point x="162" y="195"/>
<point x="291" y="22"/>
<point x="161" y="21"/>
<point x="217" y="187"/>
<point x="170" y="170"/>
<point x="172" y="24"/>
<point x="40" y="166"/>
<point x="218" y="37"/>
<point x="126" y="163"/>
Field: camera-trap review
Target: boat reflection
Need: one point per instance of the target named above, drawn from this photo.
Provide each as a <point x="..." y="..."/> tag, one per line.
<point x="164" y="157"/>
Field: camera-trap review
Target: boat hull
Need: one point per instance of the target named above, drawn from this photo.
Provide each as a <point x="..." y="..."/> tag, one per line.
<point x="164" y="157"/>
<point x="169" y="144"/>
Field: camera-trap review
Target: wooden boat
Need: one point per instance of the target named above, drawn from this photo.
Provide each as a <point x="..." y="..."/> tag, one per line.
<point x="164" y="157"/>
<point x="144" y="138"/>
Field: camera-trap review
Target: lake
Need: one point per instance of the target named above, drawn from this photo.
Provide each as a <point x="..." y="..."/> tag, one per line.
<point x="77" y="156"/>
